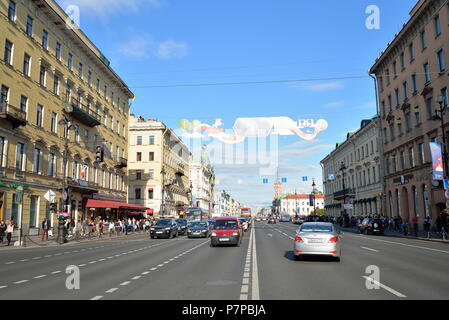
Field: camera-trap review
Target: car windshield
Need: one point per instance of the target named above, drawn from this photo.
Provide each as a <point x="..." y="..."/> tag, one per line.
<point x="315" y="228"/>
<point x="198" y="224"/>
<point x="163" y="223"/>
<point x="226" y="224"/>
<point x="181" y="221"/>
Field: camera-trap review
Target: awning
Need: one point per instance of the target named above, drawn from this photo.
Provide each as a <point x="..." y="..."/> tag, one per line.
<point x="150" y="211"/>
<point x="93" y="203"/>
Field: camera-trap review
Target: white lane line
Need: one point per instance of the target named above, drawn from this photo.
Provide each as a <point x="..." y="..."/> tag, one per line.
<point x="2" y="287"/>
<point x="97" y="298"/>
<point x="24" y="260"/>
<point x="91" y="262"/>
<point x="243" y="297"/>
<point x="396" y="293"/>
<point x="10" y="262"/>
<point x="255" y="295"/>
<point x="111" y="290"/>
<point x="244" y="289"/>
<point x="101" y="259"/>
<point x="152" y="269"/>
<point x="55" y="272"/>
<point x="160" y="265"/>
<point x="125" y="283"/>
<point x="21" y="281"/>
<point x="38" y="277"/>
<point x="245" y="281"/>
<point x="145" y="272"/>
<point x="246" y="275"/>
<point x="136" y="277"/>
<point x="407" y="245"/>
<point x="82" y="265"/>
<point x="366" y="248"/>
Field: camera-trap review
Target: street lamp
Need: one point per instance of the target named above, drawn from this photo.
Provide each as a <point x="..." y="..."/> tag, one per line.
<point x="313" y="193"/>
<point x="442" y="102"/>
<point x="342" y="169"/>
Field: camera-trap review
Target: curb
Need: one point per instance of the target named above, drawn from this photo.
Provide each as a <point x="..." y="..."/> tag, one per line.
<point x="403" y="237"/>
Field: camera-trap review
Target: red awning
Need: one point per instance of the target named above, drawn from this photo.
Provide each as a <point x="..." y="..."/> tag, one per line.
<point x="150" y="211"/>
<point x="93" y="203"/>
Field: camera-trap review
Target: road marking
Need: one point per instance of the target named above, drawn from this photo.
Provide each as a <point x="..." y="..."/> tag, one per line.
<point x="136" y="277"/>
<point x="245" y="281"/>
<point x="21" y="281"/>
<point x="112" y="290"/>
<point x="270" y="235"/>
<point x="2" y="287"/>
<point x="101" y="259"/>
<point x="82" y="265"/>
<point x="396" y="293"/>
<point x="97" y="298"/>
<point x="244" y="289"/>
<point x="243" y="297"/>
<point x="403" y="244"/>
<point x="145" y="272"/>
<point x="370" y="249"/>
<point x="24" y="260"/>
<point x="55" y="272"/>
<point x="125" y="283"/>
<point x="38" y="277"/>
<point x="152" y="269"/>
<point x="91" y="262"/>
<point x="10" y="262"/>
<point x="160" y="265"/>
<point x="255" y="285"/>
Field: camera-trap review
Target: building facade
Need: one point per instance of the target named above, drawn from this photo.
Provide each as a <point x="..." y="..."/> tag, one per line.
<point x="221" y="198"/>
<point x="299" y="203"/>
<point x="203" y="179"/>
<point x="60" y="100"/>
<point x="411" y="76"/>
<point x="362" y="171"/>
<point x="158" y="167"/>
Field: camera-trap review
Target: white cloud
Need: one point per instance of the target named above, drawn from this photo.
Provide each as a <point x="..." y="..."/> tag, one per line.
<point x="171" y="50"/>
<point x="104" y="8"/>
<point x="335" y="104"/>
<point x="326" y="86"/>
<point x="136" y="47"/>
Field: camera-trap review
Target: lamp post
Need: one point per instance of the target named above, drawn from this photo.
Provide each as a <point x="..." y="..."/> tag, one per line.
<point x="313" y="193"/>
<point x="440" y="116"/>
<point x="342" y="169"/>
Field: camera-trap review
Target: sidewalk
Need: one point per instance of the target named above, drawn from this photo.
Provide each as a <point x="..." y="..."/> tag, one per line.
<point x="36" y="241"/>
<point x="421" y="235"/>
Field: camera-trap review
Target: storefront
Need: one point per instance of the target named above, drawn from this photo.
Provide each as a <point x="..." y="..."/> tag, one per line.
<point x="113" y="210"/>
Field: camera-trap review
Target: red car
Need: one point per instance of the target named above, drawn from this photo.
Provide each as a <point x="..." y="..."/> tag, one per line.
<point x="227" y="230"/>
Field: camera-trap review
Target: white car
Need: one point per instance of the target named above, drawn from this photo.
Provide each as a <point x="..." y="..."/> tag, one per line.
<point x="244" y="224"/>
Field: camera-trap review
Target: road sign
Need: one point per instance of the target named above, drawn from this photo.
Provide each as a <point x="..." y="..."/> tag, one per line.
<point x="446" y="194"/>
<point x="304" y="178"/>
<point x="446" y="184"/>
<point x="50" y="196"/>
<point x="284" y="180"/>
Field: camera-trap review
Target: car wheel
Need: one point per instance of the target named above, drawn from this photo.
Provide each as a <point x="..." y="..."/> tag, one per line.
<point x="211" y="244"/>
<point x="337" y="259"/>
<point x="152" y="237"/>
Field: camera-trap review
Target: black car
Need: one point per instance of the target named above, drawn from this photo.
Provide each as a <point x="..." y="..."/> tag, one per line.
<point x="272" y="220"/>
<point x="164" y="228"/>
<point x="198" y="229"/>
<point x="371" y="226"/>
<point x="182" y="226"/>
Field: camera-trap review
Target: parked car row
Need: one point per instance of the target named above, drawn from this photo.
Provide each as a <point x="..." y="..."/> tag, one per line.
<point x="171" y="228"/>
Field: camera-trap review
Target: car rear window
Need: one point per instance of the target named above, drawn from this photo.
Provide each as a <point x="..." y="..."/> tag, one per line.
<point x="226" y="224"/>
<point x="315" y="228"/>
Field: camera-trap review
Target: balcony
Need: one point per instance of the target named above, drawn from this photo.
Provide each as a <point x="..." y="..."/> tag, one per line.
<point x="340" y="195"/>
<point x="13" y="114"/>
<point x="122" y="163"/>
<point x="84" y="114"/>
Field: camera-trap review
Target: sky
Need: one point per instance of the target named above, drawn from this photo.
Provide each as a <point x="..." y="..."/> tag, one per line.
<point x="157" y="45"/>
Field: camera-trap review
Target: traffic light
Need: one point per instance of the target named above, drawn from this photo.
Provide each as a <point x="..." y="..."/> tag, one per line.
<point x="99" y="154"/>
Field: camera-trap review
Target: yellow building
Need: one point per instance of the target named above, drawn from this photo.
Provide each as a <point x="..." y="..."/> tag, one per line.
<point x="50" y="72"/>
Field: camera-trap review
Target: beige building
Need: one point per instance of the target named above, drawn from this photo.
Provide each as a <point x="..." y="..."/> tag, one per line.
<point x="363" y="173"/>
<point x="411" y="75"/>
<point x="158" y="166"/>
<point x="48" y="73"/>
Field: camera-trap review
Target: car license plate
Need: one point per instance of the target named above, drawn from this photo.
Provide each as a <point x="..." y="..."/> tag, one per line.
<point x="315" y="241"/>
<point x="223" y="239"/>
<point x="159" y="232"/>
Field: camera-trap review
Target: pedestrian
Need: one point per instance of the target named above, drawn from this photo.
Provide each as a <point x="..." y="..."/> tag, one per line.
<point x="9" y="231"/>
<point x="100" y="229"/>
<point x="2" y="231"/>
<point x="427" y="223"/>
<point x="111" y="228"/>
<point x="45" y="227"/>
<point x="415" y="225"/>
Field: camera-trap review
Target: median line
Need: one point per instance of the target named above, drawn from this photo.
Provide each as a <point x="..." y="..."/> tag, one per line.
<point x="366" y="248"/>
<point x="396" y="293"/>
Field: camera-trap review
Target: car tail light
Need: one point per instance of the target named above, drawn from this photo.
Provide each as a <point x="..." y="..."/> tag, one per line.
<point x="333" y="239"/>
<point x="213" y="234"/>
<point x="235" y="233"/>
<point x="299" y="239"/>
<point x="334" y="252"/>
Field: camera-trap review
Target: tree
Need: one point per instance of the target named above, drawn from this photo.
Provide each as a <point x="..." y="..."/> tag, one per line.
<point x="320" y="212"/>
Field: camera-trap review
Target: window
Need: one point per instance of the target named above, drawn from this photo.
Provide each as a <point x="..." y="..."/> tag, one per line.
<point x="45" y="39"/>
<point x="137" y="193"/>
<point x="151" y="140"/>
<point x="429" y="106"/>
<point x="414" y="83"/>
<point x="103" y="178"/>
<point x="42" y="74"/>
<point x="98" y="85"/>
<point x="86" y="138"/>
<point x="398" y="97"/>
<point x="54" y="122"/>
<point x="426" y="69"/>
<point x="151" y="174"/>
<point x="110" y="180"/>
<point x="12" y="11"/>
<point x="70" y="61"/>
<point x="37" y="160"/>
<point x="112" y="98"/>
<point x="4" y="94"/>
<point x="411" y="52"/>
<point x="423" y="40"/>
<point x="89" y="78"/>
<point x="421" y="153"/>
<point x="440" y="59"/>
<point x="139" y="156"/>
<point x="417" y="116"/>
<point x="39" y="115"/>
<point x="390" y="103"/>
<point x="391" y="131"/>
<point x="58" y="51"/>
<point x="402" y="162"/>
<point x="2" y="151"/>
<point x="19" y="156"/>
<point x="385" y="135"/>
<point x="105" y="92"/>
<point x="150" y="193"/>
<point x="395" y="71"/>
<point x="26" y="65"/>
<point x="407" y="121"/>
<point x="118" y="127"/>
<point x="29" y="28"/>
<point x="437" y="25"/>
<point x="23" y="103"/>
<point x="383" y="108"/>
<point x="139" y="140"/>
<point x="68" y="92"/>
<point x="411" y="157"/>
<point x="151" y="156"/>
<point x="405" y="89"/>
<point x="80" y="70"/>
<point x="402" y="61"/>
<point x="138" y="175"/>
<point x="95" y="175"/>
<point x="51" y="164"/>
<point x="399" y="128"/>
<point x="56" y="85"/>
<point x="77" y="133"/>
<point x="388" y="77"/>
<point x="8" y="52"/>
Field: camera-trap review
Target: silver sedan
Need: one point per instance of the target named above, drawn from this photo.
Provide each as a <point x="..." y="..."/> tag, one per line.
<point x="317" y="238"/>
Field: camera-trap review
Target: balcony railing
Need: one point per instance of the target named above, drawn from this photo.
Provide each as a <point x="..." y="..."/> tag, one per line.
<point x="122" y="163"/>
<point x="85" y="114"/>
<point x="16" y="116"/>
<point x="340" y="195"/>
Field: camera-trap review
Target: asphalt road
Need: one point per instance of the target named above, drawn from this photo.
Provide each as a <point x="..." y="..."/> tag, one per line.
<point x="261" y="268"/>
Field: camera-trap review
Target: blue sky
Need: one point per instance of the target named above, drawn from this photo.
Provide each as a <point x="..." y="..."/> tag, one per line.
<point x="169" y="42"/>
